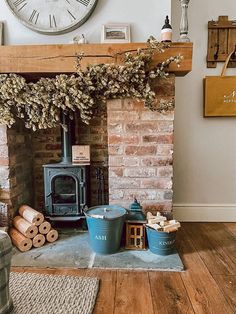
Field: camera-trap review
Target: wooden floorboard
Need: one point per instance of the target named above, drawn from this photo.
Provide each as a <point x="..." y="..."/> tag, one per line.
<point x="203" y="291"/>
<point x="168" y="293"/>
<point x="208" y="284"/>
<point x="133" y="293"/>
<point x="210" y="249"/>
<point x="231" y="226"/>
<point x="222" y="238"/>
<point x="228" y="287"/>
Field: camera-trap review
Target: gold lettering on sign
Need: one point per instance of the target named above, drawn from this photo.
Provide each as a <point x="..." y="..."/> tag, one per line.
<point x="230" y="98"/>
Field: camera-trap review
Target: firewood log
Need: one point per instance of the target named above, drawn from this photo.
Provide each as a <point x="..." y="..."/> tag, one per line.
<point x="27" y="229"/>
<point x="39" y="240"/>
<point x="31" y="215"/>
<point x="52" y="235"/>
<point x="20" y="241"/>
<point x="45" y="227"/>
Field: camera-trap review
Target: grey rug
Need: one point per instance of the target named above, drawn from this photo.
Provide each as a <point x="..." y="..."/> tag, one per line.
<point x="73" y="250"/>
<point x="49" y="294"/>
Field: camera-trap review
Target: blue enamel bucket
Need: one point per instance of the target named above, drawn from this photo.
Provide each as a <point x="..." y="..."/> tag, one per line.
<point x="161" y="243"/>
<point x="105" y="226"/>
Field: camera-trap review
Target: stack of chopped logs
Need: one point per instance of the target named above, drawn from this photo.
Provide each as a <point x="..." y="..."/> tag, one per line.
<point x="160" y="223"/>
<point x="31" y="229"/>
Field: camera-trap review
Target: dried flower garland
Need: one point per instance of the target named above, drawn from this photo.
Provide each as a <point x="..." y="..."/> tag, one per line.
<point x="39" y="104"/>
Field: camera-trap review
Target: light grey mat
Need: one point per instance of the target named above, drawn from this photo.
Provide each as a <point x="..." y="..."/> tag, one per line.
<point x="73" y="250"/>
<point x="49" y="294"/>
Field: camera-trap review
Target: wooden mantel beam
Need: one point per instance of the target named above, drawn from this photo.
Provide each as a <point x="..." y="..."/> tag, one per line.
<point x="61" y="58"/>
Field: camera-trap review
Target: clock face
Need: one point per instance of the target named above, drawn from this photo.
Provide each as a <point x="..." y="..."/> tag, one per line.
<point x="52" y="16"/>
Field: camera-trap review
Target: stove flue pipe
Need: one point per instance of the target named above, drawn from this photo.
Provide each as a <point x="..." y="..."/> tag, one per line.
<point x="66" y="146"/>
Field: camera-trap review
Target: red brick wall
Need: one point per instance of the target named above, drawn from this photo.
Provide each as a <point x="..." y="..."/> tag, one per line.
<point x="140" y="148"/>
<point x="16" y="179"/>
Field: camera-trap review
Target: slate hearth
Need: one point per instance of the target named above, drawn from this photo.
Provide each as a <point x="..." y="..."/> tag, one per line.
<point x="73" y="250"/>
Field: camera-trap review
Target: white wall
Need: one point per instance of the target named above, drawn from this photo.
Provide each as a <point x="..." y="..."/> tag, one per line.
<point x="205" y="148"/>
<point x="146" y="18"/>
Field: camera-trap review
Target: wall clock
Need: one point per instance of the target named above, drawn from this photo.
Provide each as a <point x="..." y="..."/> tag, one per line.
<point x="52" y="16"/>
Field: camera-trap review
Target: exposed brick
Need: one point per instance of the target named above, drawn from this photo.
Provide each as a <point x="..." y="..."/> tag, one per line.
<point x="164" y="150"/>
<point x="150" y="127"/>
<point x="115" y="172"/>
<point x="158" y="139"/>
<point x="4" y="177"/>
<point x="135" y="172"/>
<point x="131" y="104"/>
<point x="140" y="150"/>
<point x="4" y="161"/>
<point x="115" y="128"/>
<point x="123" y="183"/>
<point x="122" y="139"/>
<point x="115" y="161"/>
<point x="158" y="183"/>
<point x="165" y="86"/>
<point x="115" y="150"/>
<point x="4" y="151"/>
<point x="43" y="155"/>
<point x="123" y="116"/>
<point x="114" y="104"/>
<point x="166" y="171"/>
<point x="154" y="115"/>
<point x="140" y="194"/>
<point x="131" y="161"/>
<point x="97" y="130"/>
<point x="157" y="161"/>
<point x="117" y="194"/>
<point x="53" y="146"/>
<point x="3" y="134"/>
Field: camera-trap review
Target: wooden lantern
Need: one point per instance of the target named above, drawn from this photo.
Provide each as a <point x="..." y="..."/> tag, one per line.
<point x="135" y="238"/>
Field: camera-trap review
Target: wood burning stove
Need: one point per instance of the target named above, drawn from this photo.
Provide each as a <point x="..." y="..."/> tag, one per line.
<point x="66" y="187"/>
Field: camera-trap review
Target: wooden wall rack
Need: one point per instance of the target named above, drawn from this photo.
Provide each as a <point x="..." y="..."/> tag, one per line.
<point x="221" y="41"/>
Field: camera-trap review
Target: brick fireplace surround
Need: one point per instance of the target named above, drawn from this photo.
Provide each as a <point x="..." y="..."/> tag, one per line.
<point x="133" y="145"/>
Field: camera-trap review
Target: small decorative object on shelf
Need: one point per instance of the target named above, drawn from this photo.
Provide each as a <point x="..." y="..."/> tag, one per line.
<point x="166" y="31"/>
<point x="184" y="21"/>
<point x="80" y="39"/>
<point x="135" y="228"/>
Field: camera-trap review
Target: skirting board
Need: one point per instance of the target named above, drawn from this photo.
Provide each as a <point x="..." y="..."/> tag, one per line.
<point x="205" y="212"/>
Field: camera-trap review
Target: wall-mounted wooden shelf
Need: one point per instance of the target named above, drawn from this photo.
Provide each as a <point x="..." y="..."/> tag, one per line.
<point x="61" y="58"/>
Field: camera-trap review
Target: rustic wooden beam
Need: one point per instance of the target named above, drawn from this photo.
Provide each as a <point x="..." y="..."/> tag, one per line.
<point x="62" y="58"/>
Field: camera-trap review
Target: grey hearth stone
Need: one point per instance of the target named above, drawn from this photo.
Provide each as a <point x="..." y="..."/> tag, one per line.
<point x="138" y="260"/>
<point x="73" y="250"/>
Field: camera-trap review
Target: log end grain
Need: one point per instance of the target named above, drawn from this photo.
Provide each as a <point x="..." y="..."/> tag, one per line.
<point x="39" y="240"/>
<point x="20" y="241"/>
<point x="45" y="227"/>
<point x="52" y="235"/>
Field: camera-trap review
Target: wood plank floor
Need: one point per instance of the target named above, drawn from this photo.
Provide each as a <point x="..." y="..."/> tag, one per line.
<point x="208" y="285"/>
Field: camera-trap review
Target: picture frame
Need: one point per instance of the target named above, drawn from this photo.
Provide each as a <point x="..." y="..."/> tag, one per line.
<point x="116" y="33"/>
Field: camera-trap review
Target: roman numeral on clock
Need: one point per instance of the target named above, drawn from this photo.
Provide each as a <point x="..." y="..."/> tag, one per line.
<point x="17" y="4"/>
<point x="71" y="14"/>
<point x="52" y="21"/>
<point x="84" y="2"/>
<point x="34" y="17"/>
